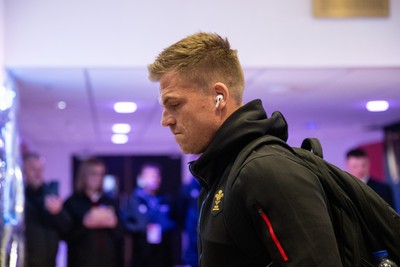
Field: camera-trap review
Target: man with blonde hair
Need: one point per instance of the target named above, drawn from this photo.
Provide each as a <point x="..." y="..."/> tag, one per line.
<point x="273" y="213"/>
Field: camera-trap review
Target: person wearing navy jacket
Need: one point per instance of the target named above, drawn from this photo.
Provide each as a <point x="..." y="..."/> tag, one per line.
<point x="358" y="164"/>
<point x="188" y="218"/>
<point x="149" y="217"/>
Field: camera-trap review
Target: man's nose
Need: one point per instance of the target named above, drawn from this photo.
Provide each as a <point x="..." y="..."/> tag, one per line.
<point x="167" y="119"/>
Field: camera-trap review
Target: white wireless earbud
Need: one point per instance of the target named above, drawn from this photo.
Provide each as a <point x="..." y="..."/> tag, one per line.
<point x="218" y="100"/>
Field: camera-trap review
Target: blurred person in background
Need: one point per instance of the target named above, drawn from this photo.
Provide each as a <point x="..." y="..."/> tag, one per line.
<point x="188" y="219"/>
<point x="149" y="218"/>
<point x="43" y="210"/>
<point x="358" y="164"/>
<point x="94" y="235"/>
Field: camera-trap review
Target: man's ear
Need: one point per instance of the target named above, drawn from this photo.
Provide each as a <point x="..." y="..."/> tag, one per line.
<point x="221" y="94"/>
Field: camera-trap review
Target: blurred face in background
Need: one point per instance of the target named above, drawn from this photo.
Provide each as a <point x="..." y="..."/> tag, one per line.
<point x="33" y="172"/>
<point x="358" y="166"/>
<point x="150" y="179"/>
<point x="94" y="178"/>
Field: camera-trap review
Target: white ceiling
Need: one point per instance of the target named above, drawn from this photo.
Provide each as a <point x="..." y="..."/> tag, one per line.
<point x="333" y="99"/>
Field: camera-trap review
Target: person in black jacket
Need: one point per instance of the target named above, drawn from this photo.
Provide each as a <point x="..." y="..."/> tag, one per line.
<point x="274" y="212"/>
<point x="43" y="210"/>
<point x="94" y="236"/>
<point x="358" y="164"/>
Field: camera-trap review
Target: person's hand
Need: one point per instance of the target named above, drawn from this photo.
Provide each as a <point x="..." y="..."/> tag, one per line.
<point x="111" y="220"/>
<point x="106" y="216"/>
<point x="53" y="204"/>
<point x="100" y="217"/>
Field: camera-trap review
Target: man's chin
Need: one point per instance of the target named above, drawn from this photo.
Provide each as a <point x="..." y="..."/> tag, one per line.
<point x="184" y="149"/>
<point x="189" y="150"/>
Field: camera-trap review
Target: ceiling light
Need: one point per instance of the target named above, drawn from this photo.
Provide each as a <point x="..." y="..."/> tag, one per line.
<point x="119" y="138"/>
<point x="377" y="106"/>
<point x="61" y="105"/>
<point x="121" y="128"/>
<point x="125" y="107"/>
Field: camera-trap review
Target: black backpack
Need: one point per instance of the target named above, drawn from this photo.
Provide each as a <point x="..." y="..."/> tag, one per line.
<point x="362" y="220"/>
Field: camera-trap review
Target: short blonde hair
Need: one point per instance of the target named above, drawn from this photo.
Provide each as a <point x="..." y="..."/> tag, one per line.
<point x="200" y="60"/>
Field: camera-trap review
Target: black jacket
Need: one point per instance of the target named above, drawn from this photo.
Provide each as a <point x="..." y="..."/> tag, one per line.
<point x="273" y="213"/>
<point x="41" y="233"/>
<point x="91" y="247"/>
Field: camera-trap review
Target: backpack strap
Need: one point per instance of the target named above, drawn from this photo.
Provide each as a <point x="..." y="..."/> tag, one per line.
<point x="313" y="145"/>
<point x="248" y="149"/>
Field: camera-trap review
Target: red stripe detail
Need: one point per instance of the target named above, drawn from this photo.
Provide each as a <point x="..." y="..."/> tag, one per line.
<point x="273" y="236"/>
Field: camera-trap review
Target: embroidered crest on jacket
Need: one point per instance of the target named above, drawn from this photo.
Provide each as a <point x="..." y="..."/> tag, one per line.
<point x="217" y="200"/>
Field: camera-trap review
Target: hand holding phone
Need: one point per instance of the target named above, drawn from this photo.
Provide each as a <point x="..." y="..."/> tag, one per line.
<point x="53" y="204"/>
<point x="52" y="188"/>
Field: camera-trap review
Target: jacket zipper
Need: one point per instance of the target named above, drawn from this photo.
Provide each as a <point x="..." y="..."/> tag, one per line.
<point x="274" y="238"/>
<point x="204" y="184"/>
<point x="199" y="226"/>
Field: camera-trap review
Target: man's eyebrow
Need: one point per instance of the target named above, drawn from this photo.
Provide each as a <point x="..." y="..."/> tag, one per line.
<point x="165" y="100"/>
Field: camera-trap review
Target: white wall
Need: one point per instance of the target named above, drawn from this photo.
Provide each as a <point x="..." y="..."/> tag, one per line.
<point x="48" y="33"/>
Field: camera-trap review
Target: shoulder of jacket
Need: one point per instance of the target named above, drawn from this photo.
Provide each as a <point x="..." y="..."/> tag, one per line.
<point x="270" y="158"/>
<point x="268" y="153"/>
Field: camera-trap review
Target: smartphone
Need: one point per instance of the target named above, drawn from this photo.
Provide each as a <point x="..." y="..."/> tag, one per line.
<point x="52" y="188"/>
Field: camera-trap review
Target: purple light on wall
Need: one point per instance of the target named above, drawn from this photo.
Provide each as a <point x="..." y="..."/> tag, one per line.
<point x="311" y="125"/>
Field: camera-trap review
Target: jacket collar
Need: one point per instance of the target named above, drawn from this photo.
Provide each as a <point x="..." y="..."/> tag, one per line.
<point x="246" y="124"/>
